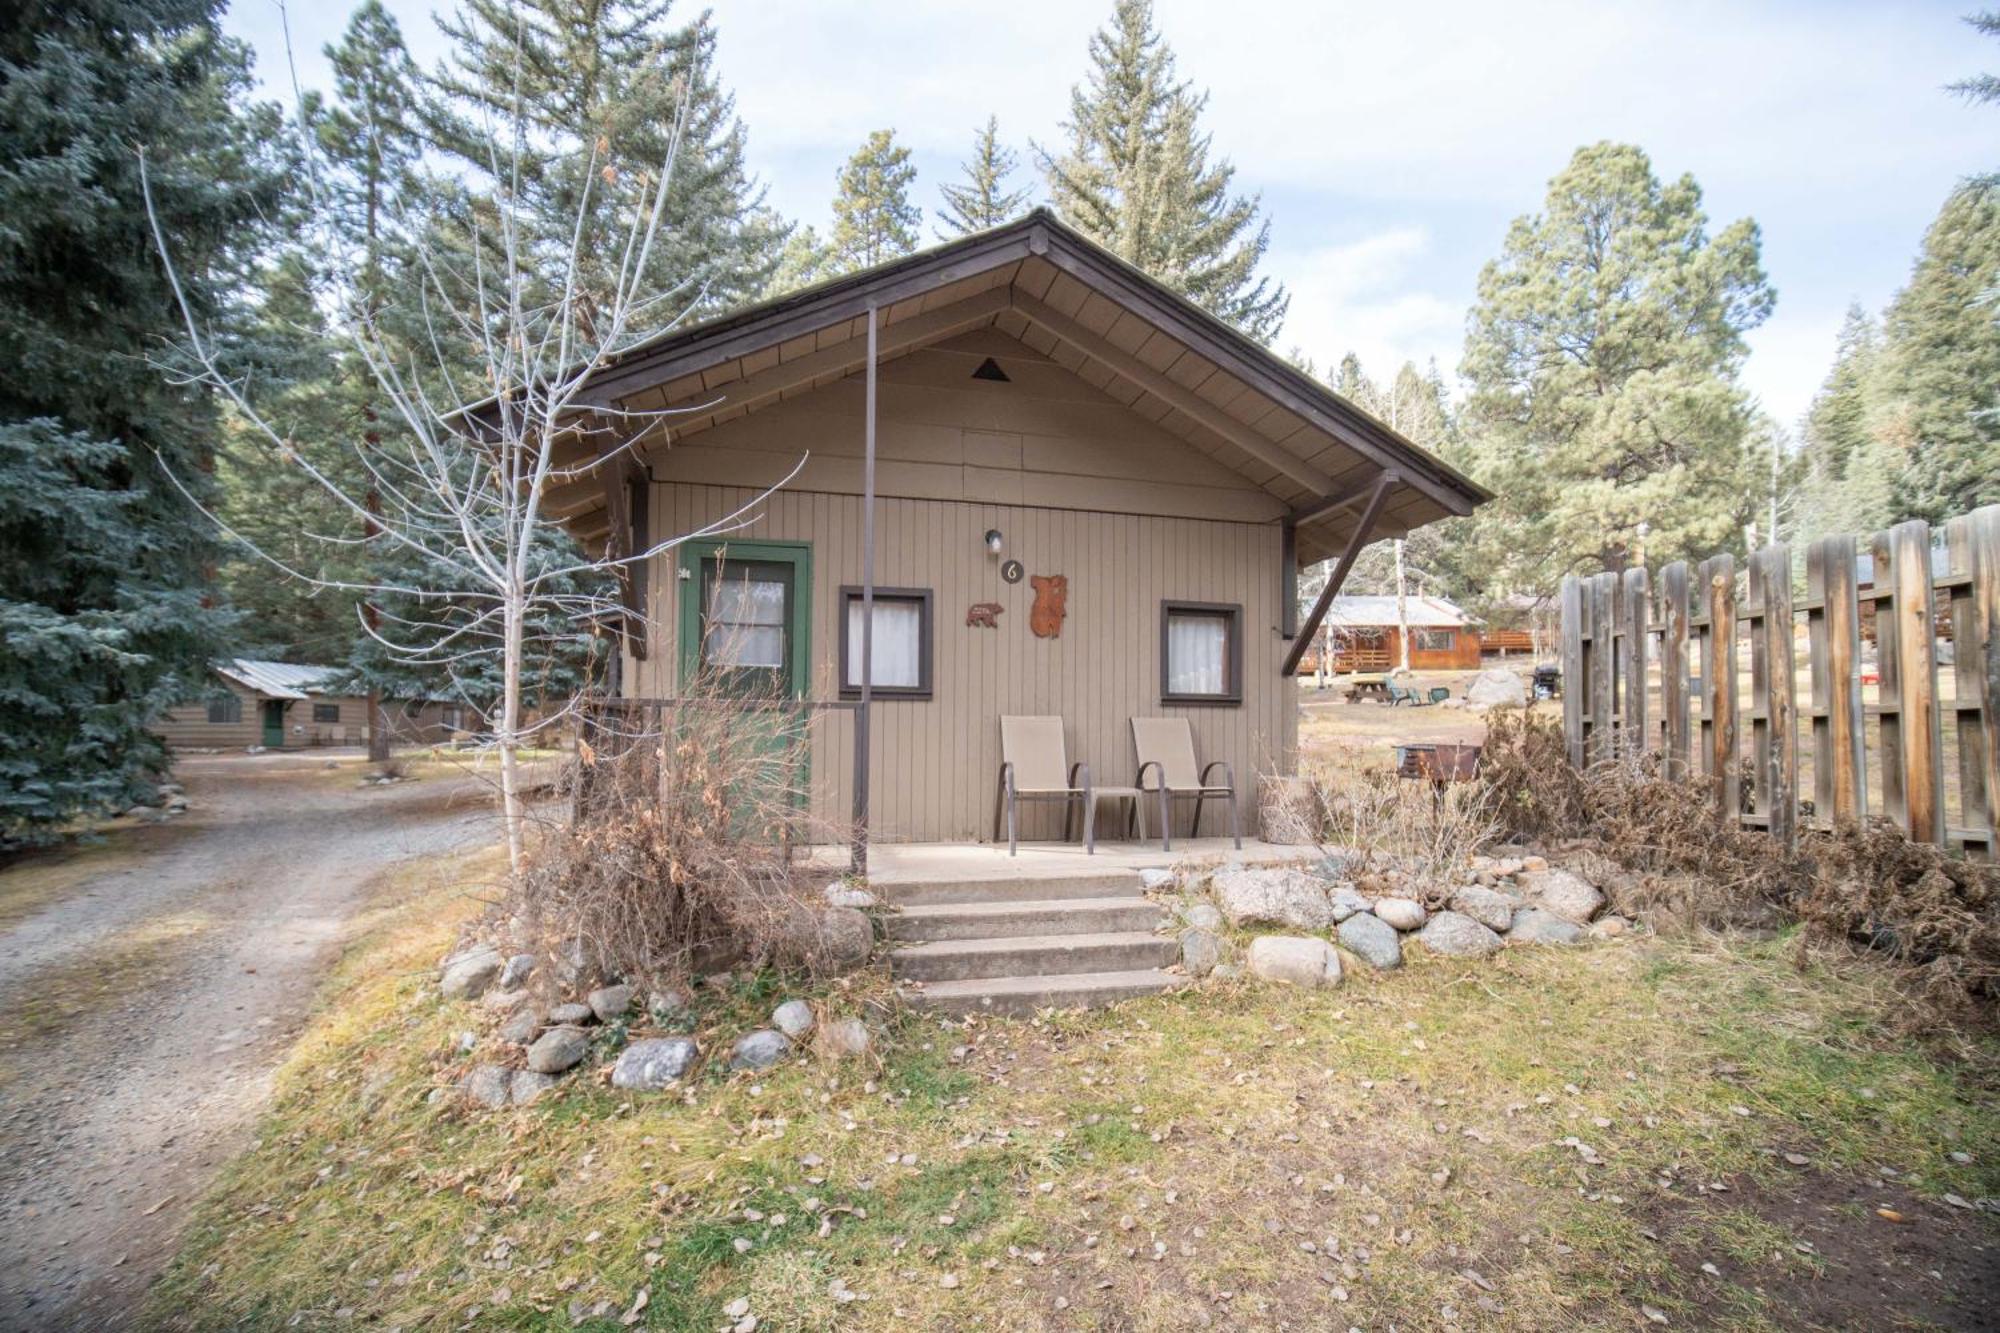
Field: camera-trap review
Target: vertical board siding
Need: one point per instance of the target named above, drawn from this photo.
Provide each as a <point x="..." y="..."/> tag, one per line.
<point x="934" y="762"/>
<point x="1912" y="605"/>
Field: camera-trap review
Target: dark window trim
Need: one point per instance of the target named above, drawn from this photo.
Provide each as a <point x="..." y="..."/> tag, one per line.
<point x="926" y="635"/>
<point x="230" y="710"/>
<point x="326" y="712"/>
<point x="1232" y="654"/>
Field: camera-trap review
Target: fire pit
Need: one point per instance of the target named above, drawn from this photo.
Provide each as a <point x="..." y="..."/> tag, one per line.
<point x="1438" y="764"/>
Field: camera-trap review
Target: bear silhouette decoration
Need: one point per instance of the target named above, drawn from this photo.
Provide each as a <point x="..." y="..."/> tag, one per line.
<point x="1051" y="605"/>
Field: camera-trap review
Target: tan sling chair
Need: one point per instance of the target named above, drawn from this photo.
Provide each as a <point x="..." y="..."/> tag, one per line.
<point x="1035" y="767"/>
<point x="1165" y="746"/>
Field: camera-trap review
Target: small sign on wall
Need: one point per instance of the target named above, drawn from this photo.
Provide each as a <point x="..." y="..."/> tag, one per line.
<point x="1051" y="605"/>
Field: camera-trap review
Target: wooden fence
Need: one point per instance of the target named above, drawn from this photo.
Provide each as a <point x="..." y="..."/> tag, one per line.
<point x="1659" y="669"/>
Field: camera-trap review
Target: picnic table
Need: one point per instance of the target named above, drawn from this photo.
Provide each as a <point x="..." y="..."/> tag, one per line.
<point x="1371" y="685"/>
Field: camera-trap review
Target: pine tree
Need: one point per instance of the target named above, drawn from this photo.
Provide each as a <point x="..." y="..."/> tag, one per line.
<point x="873" y="218"/>
<point x="1136" y="177"/>
<point x="984" y="201"/>
<point x="1847" y="462"/>
<point x="610" y="74"/>
<point x="1603" y="354"/>
<point x="104" y="621"/>
<point x="803" y="262"/>
<point x="1941" y="362"/>
<point x="371" y="135"/>
<point x="369" y="143"/>
<point x="1981" y="87"/>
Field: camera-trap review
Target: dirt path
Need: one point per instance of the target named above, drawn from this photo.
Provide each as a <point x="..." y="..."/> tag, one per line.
<point x="143" y="1009"/>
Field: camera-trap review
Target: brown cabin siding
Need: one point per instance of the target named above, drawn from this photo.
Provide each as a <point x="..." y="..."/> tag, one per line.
<point x="1079" y="485"/>
<point x="1382" y="651"/>
<point x="935" y="761"/>
<point x="186" y="726"/>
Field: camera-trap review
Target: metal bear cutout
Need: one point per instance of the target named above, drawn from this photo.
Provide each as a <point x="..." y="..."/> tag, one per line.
<point x="1051" y="605"/>
<point x="983" y="615"/>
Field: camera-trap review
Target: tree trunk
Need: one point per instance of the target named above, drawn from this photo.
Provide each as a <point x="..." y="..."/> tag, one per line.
<point x="509" y="731"/>
<point x="1402" y="612"/>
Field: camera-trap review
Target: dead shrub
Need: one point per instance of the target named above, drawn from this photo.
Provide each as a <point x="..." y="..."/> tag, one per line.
<point x="1425" y="834"/>
<point x="1658" y="850"/>
<point x="681" y="855"/>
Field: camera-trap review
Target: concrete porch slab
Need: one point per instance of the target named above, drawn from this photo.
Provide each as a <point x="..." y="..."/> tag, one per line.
<point x="893" y="863"/>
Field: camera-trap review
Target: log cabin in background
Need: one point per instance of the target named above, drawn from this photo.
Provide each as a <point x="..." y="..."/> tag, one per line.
<point x="289" y="705"/>
<point x="1365" y="633"/>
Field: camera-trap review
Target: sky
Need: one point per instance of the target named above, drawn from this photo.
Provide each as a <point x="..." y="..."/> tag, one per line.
<point x="1392" y="144"/>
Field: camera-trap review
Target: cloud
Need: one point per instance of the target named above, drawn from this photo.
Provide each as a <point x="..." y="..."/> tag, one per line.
<point x="1368" y="296"/>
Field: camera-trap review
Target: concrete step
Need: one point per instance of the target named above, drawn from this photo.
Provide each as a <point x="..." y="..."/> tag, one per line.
<point x="998" y="920"/>
<point x="1032" y="955"/>
<point x="1001" y="889"/>
<point x="1024" y="995"/>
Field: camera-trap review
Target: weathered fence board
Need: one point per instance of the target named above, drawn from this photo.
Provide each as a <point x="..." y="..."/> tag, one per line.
<point x="1633" y="624"/>
<point x="1575" y="626"/>
<point x="1601" y="657"/>
<point x="1615" y="632"/>
<point x="1717" y="576"/>
<point x="1674" y="668"/>
<point x="1833" y="622"/>
<point x="1774" y="668"/>
<point x="1974" y="545"/>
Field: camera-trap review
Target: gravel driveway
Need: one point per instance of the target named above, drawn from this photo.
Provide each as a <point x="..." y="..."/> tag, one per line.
<point x="211" y="943"/>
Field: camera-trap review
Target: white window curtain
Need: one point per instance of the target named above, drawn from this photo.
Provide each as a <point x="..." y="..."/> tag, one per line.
<point x="899" y="630"/>
<point x="1197" y="653"/>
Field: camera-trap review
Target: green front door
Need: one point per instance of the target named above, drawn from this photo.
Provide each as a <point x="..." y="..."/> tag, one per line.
<point x="745" y="619"/>
<point x="274" y="724"/>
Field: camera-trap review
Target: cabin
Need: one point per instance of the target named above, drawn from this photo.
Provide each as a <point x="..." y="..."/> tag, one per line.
<point x="1071" y="492"/>
<point x="286" y="706"/>
<point x="1366" y="634"/>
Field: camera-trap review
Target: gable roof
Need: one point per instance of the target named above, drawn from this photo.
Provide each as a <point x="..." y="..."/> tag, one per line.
<point x="1366" y="610"/>
<point x="278" y="680"/>
<point x="1068" y="298"/>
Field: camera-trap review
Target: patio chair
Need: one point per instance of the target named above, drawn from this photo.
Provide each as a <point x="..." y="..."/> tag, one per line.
<point x="1402" y="694"/>
<point x="1034" y="766"/>
<point x="1439" y="693"/>
<point x="1165" y="746"/>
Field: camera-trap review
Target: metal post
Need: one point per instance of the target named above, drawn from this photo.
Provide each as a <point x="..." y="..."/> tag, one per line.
<point x="860" y="862"/>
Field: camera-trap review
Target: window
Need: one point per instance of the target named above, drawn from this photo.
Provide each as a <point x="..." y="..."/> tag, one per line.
<point x="224" y="710"/>
<point x="1201" y="653"/>
<point x="326" y="712"/>
<point x="1433" y="640"/>
<point x="902" y="643"/>
<point x="748" y="618"/>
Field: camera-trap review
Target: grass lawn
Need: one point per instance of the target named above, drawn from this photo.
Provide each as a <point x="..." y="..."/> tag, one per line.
<point x="1556" y="1139"/>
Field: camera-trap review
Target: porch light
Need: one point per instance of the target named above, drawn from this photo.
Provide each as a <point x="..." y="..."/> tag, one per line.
<point x="993" y="541"/>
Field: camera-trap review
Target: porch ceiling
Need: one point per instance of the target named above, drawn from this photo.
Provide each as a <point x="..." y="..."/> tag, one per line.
<point x="1067" y="299"/>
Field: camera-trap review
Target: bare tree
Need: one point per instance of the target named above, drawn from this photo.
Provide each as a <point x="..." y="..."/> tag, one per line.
<point x="491" y="407"/>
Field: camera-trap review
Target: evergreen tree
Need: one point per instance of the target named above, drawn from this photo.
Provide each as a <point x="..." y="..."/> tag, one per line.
<point x="803" y="262"/>
<point x="873" y="218"/>
<point x="1981" y="87"/>
<point x="1846" y="459"/>
<point x="369" y="141"/>
<point x="277" y="522"/>
<point x="614" y="75"/>
<point x="1136" y="177"/>
<point x="984" y="201"/>
<point x="1941" y="362"/>
<point x="371" y="135"/>
<point x="103" y="618"/>
<point x="1603" y="354"/>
